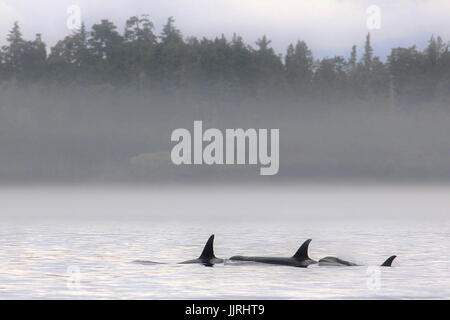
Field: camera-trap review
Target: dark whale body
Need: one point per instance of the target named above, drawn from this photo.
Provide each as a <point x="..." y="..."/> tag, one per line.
<point x="336" y="262"/>
<point x="207" y="258"/>
<point x="299" y="259"/>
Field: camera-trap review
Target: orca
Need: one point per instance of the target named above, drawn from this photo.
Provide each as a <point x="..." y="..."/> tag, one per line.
<point x="207" y="258"/>
<point x="299" y="259"/>
<point x="336" y="262"/>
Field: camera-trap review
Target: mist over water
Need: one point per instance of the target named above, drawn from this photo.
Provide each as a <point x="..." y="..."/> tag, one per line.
<point x="184" y="203"/>
<point x="126" y="139"/>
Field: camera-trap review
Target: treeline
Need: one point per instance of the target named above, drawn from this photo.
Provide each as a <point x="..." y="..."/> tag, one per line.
<point x="101" y="105"/>
<point x="170" y="63"/>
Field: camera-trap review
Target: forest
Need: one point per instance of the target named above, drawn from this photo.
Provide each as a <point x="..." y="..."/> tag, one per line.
<point x="100" y="106"/>
<point x="173" y="64"/>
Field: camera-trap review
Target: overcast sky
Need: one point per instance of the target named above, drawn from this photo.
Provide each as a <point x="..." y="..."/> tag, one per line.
<point x="330" y="27"/>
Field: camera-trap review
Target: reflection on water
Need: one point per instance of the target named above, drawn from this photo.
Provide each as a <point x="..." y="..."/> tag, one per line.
<point x="36" y="261"/>
<point x="115" y="258"/>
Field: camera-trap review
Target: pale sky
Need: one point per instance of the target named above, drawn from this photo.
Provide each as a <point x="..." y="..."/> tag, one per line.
<point x="330" y="27"/>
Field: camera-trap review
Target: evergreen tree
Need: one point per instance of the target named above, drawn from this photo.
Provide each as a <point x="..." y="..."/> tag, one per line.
<point x="406" y="66"/>
<point x="434" y="51"/>
<point x="34" y="60"/>
<point x="170" y="56"/>
<point x="368" y="53"/>
<point x="70" y="59"/>
<point x="107" y="49"/>
<point x="140" y="43"/>
<point x="170" y="34"/>
<point x="352" y="59"/>
<point x="269" y="67"/>
<point x="13" y="51"/>
<point x="299" y="66"/>
<point x="330" y="79"/>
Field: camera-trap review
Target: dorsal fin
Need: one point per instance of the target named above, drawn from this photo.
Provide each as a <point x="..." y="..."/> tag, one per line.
<point x="388" y="262"/>
<point x="302" y="252"/>
<point x="208" y="250"/>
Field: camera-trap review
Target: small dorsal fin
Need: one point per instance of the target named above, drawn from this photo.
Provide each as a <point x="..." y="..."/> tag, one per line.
<point x="208" y="250"/>
<point x="388" y="262"/>
<point x="302" y="252"/>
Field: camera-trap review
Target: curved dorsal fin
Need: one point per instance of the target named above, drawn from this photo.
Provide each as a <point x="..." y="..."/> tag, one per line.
<point x="208" y="250"/>
<point x="302" y="252"/>
<point x="388" y="262"/>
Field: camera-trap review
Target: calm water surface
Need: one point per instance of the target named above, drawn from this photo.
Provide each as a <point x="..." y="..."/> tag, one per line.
<point x="95" y="258"/>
